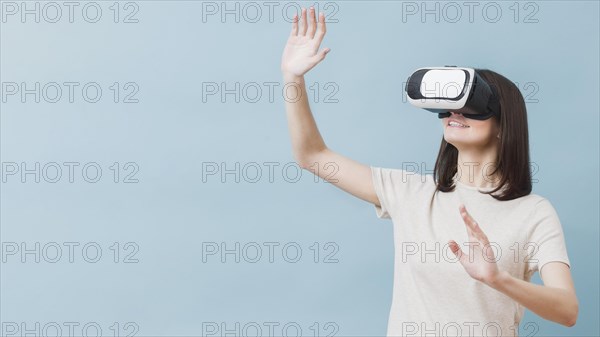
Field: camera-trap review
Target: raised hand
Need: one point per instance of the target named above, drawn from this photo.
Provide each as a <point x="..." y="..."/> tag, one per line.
<point x="301" y="52"/>
<point x="482" y="265"/>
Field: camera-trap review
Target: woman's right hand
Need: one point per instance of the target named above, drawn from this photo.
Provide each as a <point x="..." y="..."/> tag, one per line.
<point x="301" y="52"/>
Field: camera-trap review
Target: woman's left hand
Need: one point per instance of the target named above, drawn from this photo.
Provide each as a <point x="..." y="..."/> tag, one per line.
<point x="481" y="264"/>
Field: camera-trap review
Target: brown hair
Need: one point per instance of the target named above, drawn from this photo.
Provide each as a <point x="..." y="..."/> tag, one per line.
<point x="512" y="161"/>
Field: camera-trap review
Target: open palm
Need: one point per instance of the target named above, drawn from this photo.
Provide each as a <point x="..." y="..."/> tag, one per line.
<point x="301" y="52"/>
<point x="481" y="263"/>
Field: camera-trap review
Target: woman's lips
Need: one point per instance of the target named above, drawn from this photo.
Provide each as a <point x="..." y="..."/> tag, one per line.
<point x="457" y="125"/>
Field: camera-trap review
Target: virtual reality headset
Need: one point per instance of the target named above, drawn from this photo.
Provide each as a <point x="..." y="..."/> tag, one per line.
<point x="450" y="88"/>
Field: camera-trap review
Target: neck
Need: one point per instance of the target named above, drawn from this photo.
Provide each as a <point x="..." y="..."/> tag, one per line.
<point x="475" y="167"/>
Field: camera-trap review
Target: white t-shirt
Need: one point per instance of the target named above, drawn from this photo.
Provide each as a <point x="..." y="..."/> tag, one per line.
<point x="433" y="295"/>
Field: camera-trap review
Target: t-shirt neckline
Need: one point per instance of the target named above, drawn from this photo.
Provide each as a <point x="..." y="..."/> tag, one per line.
<point x="460" y="184"/>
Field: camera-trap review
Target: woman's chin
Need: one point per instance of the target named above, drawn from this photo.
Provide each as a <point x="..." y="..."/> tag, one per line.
<point x="454" y="139"/>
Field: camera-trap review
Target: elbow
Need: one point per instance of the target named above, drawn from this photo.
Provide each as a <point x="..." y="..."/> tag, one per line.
<point x="306" y="161"/>
<point x="572" y="317"/>
<point x="303" y="164"/>
<point x="302" y="160"/>
<point x="571" y="322"/>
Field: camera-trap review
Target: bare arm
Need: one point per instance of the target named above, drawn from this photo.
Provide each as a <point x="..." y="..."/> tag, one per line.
<point x="555" y="300"/>
<point x="300" y="55"/>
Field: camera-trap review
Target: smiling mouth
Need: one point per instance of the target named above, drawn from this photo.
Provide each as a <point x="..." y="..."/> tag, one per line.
<point x="457" y="124"/>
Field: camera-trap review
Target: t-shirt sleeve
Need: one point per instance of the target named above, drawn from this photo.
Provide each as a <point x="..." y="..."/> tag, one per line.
<point x="392" y="186"/>
<point x="547" y="238"/>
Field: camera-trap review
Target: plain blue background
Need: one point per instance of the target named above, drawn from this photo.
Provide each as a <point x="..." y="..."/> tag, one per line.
<point x="169" y="53"/>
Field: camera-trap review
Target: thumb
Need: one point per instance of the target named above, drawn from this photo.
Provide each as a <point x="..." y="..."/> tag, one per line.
<point x="322" y="53"/>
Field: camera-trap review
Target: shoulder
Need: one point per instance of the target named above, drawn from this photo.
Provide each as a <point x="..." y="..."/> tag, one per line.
<point x="531" y="209"/>
<point x="532" y="202"/>
<point x="540" y="204"/>
<point x="542" y="214"/>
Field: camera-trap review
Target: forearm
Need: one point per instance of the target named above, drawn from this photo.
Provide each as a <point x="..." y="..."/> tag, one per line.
<point x="304" y="134"/>
<point x="554" y="304"/>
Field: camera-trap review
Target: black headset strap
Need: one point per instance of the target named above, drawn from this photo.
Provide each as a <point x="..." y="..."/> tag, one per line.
<point x="493" y="107"/>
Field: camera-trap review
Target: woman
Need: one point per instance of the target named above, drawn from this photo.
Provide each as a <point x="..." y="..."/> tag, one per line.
<point x="441" y="288"/>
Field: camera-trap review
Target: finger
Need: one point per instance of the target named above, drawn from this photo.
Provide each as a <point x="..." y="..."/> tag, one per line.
<point x="304" y="25"/>
<point x="300" y="22"/>
<point x="320" y="56"/>
<point x="455" y="248"/>
<point x="294" y="25"/>
<point x="476" y="230"/>
<point x="468" y="223"/>
<point x="480" y="234"/>
<point x="313" y="23"/>
<point x="322" y="29"/>
<point x="467" y="217"/>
